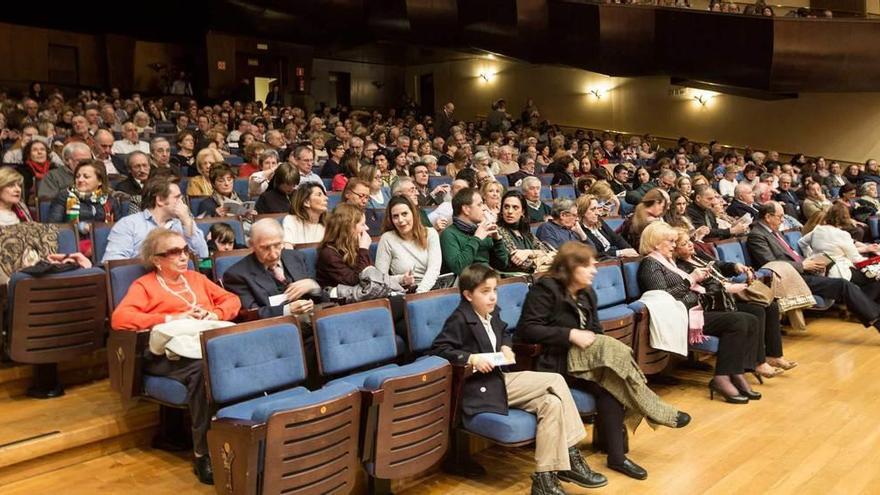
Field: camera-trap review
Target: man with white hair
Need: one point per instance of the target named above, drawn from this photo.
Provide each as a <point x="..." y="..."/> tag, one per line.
<point x="743" y="202"/>
<point x="507" y="165"/>
<point x="537" y="210"/>
<point x="130" y="141"/>
<point x="272" y="280"/>
<point x="60" y="178"/>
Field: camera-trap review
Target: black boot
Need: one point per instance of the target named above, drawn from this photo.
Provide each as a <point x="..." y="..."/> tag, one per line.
<point x="546" y="483"/>
<point x="580" y="473"/>
<point x="203" y="470"/>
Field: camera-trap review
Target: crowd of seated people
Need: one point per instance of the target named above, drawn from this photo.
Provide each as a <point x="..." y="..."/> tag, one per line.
<point x="407" y="203"/>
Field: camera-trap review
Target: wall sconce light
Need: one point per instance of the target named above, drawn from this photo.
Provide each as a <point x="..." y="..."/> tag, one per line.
<point x="597" y="93"/>
<point x="703" y="99"/>
<point x="487" y="76"/>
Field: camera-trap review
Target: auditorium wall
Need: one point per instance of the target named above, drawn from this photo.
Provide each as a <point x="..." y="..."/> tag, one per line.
<point x="840" y="126"/>
<point x="24" y="52"/>
<point x="372" y="85"/>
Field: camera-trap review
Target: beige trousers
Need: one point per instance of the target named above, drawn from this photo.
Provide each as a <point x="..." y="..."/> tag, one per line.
<point x="559" y="425"/>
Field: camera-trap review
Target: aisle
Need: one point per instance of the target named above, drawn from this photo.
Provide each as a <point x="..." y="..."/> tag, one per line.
<point x="814" y="432"/>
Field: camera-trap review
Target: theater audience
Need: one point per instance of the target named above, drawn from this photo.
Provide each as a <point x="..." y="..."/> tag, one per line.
<point x="258" y="181"/>
<point x="475" y="327"/>
<point x="825" y="234"/>
<point x="162" y="207"/>
<point x="169" y="292"/>
<point x="527" y="253"/>
<point x="305" y="223"/>
<point x="407" y="246"/>
<point x="271" y="270"/>
<point x="379" y="194"/>
<point x="560" y="312"/>
<point x="470" y="238"/>
<point x="738" y="333"/>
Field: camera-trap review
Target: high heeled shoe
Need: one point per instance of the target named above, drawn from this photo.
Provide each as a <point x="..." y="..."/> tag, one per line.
<point x="776" y="372"/>
<point x="751" y="394"/>
<point x="784" y="365"/>
<point x="733" y="399"/>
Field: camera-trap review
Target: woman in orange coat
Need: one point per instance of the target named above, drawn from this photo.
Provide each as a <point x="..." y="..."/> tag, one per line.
<point x="172" y="292"/>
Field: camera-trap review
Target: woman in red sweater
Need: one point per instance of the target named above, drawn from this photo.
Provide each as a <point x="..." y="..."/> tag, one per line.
<point x="172" y="292"/>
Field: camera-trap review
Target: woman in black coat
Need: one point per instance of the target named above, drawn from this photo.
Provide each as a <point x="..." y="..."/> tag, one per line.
<point x="608" y="243"/>
<point x="560" y="312"/>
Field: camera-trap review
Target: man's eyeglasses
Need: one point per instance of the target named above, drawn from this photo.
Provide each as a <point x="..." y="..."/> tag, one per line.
<point x="359" y="195"/>
<point x="175" y="252"/>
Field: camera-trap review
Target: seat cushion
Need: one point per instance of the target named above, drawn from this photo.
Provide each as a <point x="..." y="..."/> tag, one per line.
<point x="375" y="380"/>
<point x="358" y="379"/>
<point x="165" y="389"/>
<point x="262" y="412"/>
<point x="614" y="312"/>
<point x="585" y="402"/>
<point x="518" y="426"/>
<point x="245" y="410"/>
<point x="709" y="345"/>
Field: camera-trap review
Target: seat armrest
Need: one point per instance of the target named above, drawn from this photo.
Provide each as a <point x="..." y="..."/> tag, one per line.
<point x="526" y="355"/>
<point x="460" y="373"/>
<point x="234" y="446"/>
<point x="125" y="358"/>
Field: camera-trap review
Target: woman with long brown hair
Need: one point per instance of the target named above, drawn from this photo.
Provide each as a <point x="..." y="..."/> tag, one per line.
<point x="345" y="249"/>
<point x="651" y="209"/>
<point x="407" y="247"/>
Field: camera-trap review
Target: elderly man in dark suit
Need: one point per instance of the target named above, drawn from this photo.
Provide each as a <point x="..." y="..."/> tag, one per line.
<point x="272" y="271"/>
<point x="743" y="202"/>
<point x="766" y="244"/>
<point x="444" y="121"/>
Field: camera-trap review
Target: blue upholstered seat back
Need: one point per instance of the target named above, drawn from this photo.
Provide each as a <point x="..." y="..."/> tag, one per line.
<point x="67" y="242"/>
<point x="311" y="255"/>
<point x="333" y="199"/>
<point x="354" y="339"/>
<point x="745" y="251"/>
<point x="232" y="222"/>
<point x="792" y="237"/>
<point x="240" y="186"/>
<point x="435" y="181"/>
<point x="196" y="201"/>
<point x="503" y="180"/>
<point x="564" y="191"/>
<point x="245" y="364"/>
<point x="223" y="263"/>
<point x="615" y="223"/>
<point x="233" y="160"/>
<point x="101" y="233"/>
<point x="608" y="284"/>
<point x="731" y="252"/>
<point x="375" y="217"/>
<point x="510" y="300"/>
<point x="121" y="277"/>
<point x="425" y="318"/>
<point x="631" y="279"/>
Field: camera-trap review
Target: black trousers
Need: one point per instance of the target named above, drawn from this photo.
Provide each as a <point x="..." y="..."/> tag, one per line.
<point x="739" y="334"/>
<point x="869" y="286"/>
<point x="768" y="321"/>
<point x="856" y="300"/>
<point x="189" y="373"/>
<point x="609" y="419"/>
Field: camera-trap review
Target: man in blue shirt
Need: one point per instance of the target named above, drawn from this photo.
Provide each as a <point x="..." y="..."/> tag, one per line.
<point x="162" y="207"/>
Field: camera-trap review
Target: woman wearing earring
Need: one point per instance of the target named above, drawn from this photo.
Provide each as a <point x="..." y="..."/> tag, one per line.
<point x="170" y="291"/>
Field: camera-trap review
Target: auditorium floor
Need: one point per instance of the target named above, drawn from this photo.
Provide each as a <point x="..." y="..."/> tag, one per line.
<point x="814" y="432"/>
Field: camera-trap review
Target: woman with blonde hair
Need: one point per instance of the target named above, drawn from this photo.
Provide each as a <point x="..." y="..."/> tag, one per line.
<point x="200" y="185"/>
<point x="738" y="333"/>
<point x="603" y="193"/>
<point x="12" y="210"/>
<point x="459" y="163"/>
<point x="491" y="191"/>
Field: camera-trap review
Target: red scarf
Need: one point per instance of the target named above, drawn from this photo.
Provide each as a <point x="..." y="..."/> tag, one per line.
<point x="39" y="169"/>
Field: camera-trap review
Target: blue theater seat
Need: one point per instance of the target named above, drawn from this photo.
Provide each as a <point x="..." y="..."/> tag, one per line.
<point x="254" y="374"/>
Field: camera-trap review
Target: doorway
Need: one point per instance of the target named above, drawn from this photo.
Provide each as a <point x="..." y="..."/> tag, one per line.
<point x="426" y="94"/>
<point x="262" y="85"/>
<point x="339" y="89"/>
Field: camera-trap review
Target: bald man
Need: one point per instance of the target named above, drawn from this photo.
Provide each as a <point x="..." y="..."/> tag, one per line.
<point x="272" y="280"/>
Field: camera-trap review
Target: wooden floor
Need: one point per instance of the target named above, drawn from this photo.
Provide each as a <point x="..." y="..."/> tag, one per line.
<point x="814" y="432"/>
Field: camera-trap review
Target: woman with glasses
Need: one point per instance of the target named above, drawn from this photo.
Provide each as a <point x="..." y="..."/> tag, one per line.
<point x="200" y="185"/>
<point x="608" y="243"/>
<point x="224" y="197"/>
<point x="168" y="292"/>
